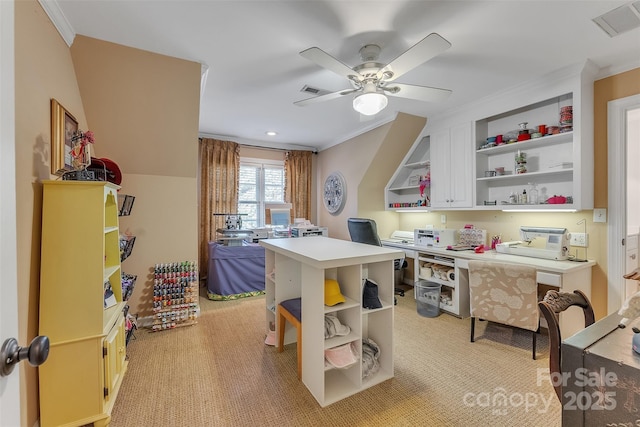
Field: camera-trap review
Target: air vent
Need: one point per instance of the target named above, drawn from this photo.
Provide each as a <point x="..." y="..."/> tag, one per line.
<point x="620" y="19"/>
<point x="313" y="90"/>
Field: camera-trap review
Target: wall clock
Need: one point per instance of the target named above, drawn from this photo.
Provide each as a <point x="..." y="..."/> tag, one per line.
<point x="335" y="193"/>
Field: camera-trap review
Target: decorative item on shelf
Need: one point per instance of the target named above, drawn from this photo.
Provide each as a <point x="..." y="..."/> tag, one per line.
<point x="414" y="180"/>
<point x="105" y="170"/>
<point x="533" y="193"/>
<point x="80" y="149"/>
<point x="566" y="115"/>
<point x="80" y="155"/>
<point x="557" y="200"/>
<point x="109" y="297"/>
<point x="521" y="162"/>
<point x="425" y="182"/>
<point x="524" y="134"/>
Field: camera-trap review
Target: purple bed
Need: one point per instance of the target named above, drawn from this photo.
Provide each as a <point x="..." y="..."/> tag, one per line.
<point x="235" y="271"/>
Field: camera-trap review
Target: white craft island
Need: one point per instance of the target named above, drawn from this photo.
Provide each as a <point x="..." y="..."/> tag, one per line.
<point x="297" y="268"/>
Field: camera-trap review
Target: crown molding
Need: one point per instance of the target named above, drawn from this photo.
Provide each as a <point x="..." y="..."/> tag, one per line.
<point x="55" y="14"/>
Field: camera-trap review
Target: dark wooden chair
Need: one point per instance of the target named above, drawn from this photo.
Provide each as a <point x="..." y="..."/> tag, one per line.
<point x="551" y="306"/>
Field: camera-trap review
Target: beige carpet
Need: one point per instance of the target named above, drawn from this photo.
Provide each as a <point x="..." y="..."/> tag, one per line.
<point x="220" y="373"/>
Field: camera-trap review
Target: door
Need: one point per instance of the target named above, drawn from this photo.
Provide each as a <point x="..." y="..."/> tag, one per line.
<point x="451" y="167"/>
<point x="617" y="228"/>
<point x="9" y="385"/>
<point x="461" y="164"/>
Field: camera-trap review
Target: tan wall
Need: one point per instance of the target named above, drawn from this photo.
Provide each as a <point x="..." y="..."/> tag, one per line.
<point x="44" y="70"/>
<point x="152" y="129"/>
<point x="144" y="108"/>
<point x="367" y="163"/>
<point x="611" y="88"/>
<point x="164" y="221"/>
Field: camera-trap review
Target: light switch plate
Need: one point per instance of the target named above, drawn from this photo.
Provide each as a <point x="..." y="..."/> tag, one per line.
<point x="599" y="215"/>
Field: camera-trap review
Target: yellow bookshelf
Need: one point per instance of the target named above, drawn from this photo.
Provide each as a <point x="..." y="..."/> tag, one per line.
<point x="80" y="253"/>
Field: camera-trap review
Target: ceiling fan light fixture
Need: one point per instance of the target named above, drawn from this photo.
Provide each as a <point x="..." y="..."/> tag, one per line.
<point x="369" y="103"/>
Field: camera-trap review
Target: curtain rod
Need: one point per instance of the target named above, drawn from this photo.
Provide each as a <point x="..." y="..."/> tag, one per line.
<point x="258" y="144"/>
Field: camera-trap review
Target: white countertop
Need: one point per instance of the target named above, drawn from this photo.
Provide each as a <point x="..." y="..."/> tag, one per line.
<point x="491" y="255"/>
<point x="326" y="252"/>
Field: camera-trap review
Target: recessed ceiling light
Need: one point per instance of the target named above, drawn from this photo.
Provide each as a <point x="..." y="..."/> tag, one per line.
<point x="271" y="133"/>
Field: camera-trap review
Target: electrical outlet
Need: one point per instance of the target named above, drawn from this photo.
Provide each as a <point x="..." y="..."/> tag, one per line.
<point x="443" y="219"/>
<point x="579" y="239"/>
<point x="599" y="215"/>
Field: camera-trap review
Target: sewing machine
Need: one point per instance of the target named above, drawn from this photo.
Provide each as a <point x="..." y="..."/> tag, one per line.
<point x="539" y="242"/>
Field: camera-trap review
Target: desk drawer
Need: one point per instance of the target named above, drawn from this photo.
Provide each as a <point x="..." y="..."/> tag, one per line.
<point x="552" y="279"/>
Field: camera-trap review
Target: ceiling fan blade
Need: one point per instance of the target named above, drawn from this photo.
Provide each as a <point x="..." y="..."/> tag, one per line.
<point x="327" y="61"/>
<point x="322" y="98"/>
<point x="417" y="54"/>
<point x="420" y="93"/>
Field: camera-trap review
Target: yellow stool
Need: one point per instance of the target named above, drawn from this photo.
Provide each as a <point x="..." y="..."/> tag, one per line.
<point x="291" y="310"/>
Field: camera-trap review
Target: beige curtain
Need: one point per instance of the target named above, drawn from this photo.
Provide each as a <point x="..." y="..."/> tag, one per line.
<point x="219" y="169"/>
<point x="297" y="188"/>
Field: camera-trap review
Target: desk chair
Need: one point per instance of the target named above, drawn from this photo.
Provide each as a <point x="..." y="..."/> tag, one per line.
<point x="365" y="231"/>
<point x="291" y="310"/>
<point x="504" y="293"/>
<point x="551" y="306"/>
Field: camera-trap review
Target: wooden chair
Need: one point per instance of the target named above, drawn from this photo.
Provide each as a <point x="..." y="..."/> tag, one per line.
<point x="291" y="310"/>
<point x="551" y="306"/>
<point x="504" y="293"/>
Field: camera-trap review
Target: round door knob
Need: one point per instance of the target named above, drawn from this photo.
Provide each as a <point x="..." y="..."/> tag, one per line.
<point x="11" y="353"/>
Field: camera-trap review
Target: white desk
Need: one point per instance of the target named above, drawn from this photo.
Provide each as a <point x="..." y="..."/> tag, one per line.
<point x="301" y="266"/>
<point x="564" y="275"/>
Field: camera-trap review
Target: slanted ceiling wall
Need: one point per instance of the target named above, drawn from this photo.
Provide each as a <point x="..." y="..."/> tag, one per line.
<point x="144" y="110"/>
<point x="367" y="162"/>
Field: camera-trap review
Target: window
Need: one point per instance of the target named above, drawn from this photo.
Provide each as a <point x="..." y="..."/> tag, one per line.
<point x="261" y="181"/>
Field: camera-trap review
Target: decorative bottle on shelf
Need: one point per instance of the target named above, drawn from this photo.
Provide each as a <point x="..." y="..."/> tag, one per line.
<point x="533" y="193"/>
<point x="524" y="196"/>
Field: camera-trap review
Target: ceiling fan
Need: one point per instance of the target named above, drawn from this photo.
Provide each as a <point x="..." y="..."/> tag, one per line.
<point x="373" y="80"/>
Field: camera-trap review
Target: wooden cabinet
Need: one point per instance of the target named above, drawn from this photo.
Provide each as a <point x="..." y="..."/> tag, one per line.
<point x="403" y="190"/>
<point x="80" y="258"/>
<point x="297" y="268"/>
<point x="452" y="167"/>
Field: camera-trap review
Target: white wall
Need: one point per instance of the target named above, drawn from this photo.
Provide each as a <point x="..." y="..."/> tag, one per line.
<point x="633" y="171"/>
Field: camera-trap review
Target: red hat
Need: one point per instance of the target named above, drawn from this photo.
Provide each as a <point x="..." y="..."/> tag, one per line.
<point x="113" y="173"/>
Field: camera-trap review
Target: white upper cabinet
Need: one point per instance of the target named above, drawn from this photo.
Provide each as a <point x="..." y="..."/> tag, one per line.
<point x="452" y="167"/>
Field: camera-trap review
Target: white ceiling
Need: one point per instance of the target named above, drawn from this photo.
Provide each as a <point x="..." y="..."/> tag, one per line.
<point x="255" y="72"/>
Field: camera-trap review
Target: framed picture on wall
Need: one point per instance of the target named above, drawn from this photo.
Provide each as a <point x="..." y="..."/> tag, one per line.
<point x="63" y="127"/>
